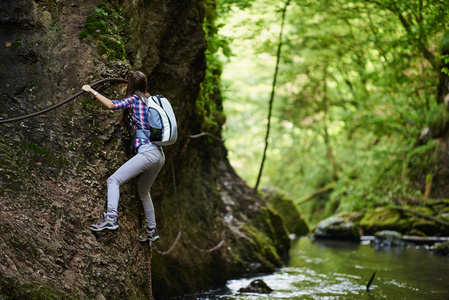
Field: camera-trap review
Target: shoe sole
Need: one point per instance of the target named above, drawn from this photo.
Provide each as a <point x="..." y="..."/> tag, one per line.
<point x="104" y="228"/>
<point x="149" y="239"/>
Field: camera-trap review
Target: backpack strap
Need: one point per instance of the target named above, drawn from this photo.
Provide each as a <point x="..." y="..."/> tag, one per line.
<point x="142" y="134"/>
<point x="149" y="102"/>
<point x="158" y="98"/>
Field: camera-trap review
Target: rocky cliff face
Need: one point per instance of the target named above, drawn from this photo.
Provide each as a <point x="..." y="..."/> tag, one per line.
<point x="54" y="167"/>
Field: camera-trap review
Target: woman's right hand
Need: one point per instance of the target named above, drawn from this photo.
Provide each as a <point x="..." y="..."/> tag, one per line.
<point x="105" y="101"/>
<point x="87" y="88"/>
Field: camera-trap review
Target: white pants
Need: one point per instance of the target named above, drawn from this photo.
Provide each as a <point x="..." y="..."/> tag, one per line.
<point x="147" y="163"/>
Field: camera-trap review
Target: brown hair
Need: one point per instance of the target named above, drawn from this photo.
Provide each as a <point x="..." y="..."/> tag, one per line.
<point x="137" y="85"/>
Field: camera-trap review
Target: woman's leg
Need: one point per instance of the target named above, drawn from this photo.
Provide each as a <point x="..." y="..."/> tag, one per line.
<point x="132" y="168"/>
<point x="155" y="160"/>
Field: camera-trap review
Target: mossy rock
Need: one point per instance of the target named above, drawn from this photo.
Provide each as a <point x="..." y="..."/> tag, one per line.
<point x="252" y="251"/>
<point x="384" y="218"/>
<point x="428" y="227"/>
<point x="388" y="238"/>
<point x="442" y="249"/>
<point x="336" y="228"/>
<point x="293" y="220"/>
<point x="274" y="227"/>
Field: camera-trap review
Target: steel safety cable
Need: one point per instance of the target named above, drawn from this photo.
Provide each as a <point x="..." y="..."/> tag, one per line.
<point x="120" y="80"/>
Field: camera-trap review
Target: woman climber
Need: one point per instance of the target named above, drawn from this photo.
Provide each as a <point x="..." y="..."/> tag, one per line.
<point x="148" y="160"/>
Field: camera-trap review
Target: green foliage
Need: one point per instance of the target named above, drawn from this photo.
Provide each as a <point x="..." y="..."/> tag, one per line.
<point x="108" y="28"/>
<point x="209" y="103"/>
<point x="355" y="88"/>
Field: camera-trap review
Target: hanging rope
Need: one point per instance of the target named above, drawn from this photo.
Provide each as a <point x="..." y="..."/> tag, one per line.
<point x="210" y="250"/>
<point x="180" y="232"/>
<point x="206" y="134"/>
<point x="150" y="281"/>
<point x="120" y="80"/>
<point x="172" y="246"/>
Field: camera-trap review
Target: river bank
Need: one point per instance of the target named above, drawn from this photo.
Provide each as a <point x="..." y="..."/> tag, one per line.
<point x="341" y="270"/>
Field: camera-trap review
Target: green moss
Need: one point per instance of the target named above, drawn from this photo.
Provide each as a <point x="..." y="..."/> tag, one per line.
<point x="11" y="289"/>
<point x="384" y="218"/>
<point x="273" y="226"/>
<point x="37" y="149"/>
<point x="209" y="107"/>
<point x="108" y="28"/>
<point x="95" y="26"/>
<point x="287" y="209"/>
<point x="88" y="104"/>
<point x="114" y="49"/>
<point x="262" y="249"/>
<point x="16" y="43"/>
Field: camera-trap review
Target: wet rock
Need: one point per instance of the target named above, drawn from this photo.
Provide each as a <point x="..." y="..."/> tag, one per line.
<point x="442" y="249"/>
<point x="293" y="220"/>
<point x="388" y="238"/>
<point x="336" y="228"/>
<point x="387" y="218"/>
<point x="257" y="286"/>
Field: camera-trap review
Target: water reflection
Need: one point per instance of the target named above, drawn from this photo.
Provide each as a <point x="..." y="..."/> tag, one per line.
<point x="338" y="270"/>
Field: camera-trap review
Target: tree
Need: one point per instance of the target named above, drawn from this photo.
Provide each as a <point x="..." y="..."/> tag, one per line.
<point x="357" y="83"/>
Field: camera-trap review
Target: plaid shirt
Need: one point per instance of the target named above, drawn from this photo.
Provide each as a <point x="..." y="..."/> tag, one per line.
<point x="139" y="112"/>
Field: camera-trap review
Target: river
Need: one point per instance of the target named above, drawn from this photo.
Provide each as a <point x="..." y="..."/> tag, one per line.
<point x="339" y="270"/>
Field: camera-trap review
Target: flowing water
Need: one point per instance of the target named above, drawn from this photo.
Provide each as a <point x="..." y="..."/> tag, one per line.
<point x="339" y="270"/>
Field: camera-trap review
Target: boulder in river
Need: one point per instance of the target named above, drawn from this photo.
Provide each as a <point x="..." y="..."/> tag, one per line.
<point x="337" y="228"/>
<point x="442" y="249"/>
<point x="257" y="286"/>
<point x="388" y="238"/>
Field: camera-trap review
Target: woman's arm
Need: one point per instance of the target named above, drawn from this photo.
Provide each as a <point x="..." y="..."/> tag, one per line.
<point x="105" y="101"/>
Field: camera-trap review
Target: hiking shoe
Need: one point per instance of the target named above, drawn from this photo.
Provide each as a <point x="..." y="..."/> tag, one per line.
<point x="150" y="234"/>
<point x="106" y="223"/>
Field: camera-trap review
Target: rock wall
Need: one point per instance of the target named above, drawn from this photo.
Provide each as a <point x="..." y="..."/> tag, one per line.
<point x="54" y="167"/>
